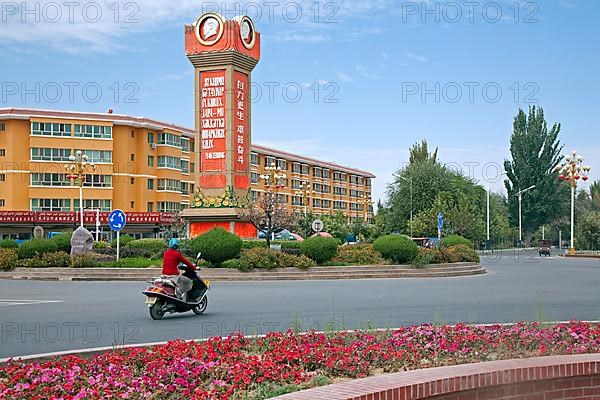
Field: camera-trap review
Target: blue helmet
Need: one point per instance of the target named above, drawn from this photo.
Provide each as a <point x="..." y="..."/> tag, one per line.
<point x="174" y="243"/>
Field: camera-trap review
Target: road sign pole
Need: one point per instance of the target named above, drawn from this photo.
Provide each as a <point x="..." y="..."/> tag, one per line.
<point x="118" y="244"/>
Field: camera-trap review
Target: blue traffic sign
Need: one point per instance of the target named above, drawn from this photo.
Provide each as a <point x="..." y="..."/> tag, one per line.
<point x="117" y="220"/>
<point x="440" y="222"/>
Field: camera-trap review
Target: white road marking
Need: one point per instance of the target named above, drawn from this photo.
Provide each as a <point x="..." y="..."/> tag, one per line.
<point x="24" y="302"/>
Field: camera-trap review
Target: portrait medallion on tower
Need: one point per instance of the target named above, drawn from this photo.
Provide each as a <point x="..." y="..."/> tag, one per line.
<point x="247" y="32"/>
<point x="209" y="28"/>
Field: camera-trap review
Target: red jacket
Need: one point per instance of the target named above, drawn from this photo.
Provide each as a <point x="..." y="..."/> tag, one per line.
<point x="171" y="260"/>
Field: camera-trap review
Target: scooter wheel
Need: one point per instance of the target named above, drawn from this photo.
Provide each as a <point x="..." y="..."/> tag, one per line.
<point x="200" y="308"/>
<point x="156" y="310"/>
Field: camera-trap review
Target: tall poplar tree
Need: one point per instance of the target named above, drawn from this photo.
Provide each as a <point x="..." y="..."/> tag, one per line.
<point x="535" y="151"/>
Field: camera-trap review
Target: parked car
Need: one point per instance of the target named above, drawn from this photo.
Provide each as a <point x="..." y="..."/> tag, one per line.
<point x="545" y="247"/>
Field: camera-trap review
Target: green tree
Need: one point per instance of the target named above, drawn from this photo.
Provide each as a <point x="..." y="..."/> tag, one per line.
<point x="535" y="153"/>
<point x="420" y="152"/>
<point x="588" y="227"/>
<point x="595" y="195"/>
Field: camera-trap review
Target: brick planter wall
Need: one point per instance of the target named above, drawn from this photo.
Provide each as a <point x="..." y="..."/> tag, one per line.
<point x="543" y="378"/>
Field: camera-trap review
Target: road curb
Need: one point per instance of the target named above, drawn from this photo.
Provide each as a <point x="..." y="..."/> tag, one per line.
<point x="229" y="275"/>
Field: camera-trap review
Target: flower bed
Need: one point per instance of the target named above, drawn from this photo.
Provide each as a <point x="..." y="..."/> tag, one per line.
<point x="238" y="367"/>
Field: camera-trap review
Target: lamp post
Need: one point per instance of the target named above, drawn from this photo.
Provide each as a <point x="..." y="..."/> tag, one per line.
<point x="305" y="194"/>
<point x="365" y="200"/>
<point x="78" y="169"/>
<point x="409" y="180"/>
<point x="572" y="170"/>
<point x="520" y="194"/>
<point x="272" y="177"/>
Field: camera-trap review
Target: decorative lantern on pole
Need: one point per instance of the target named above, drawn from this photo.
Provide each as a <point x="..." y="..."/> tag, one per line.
<point x="573" y="170"/>
<point x="366" y="202"/>
<point x="273" y="178"/>
<point x="305" y="194"/>
<point x="78" y="169"/>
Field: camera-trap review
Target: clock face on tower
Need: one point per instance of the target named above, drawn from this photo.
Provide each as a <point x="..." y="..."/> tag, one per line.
<point x="209" y="28"/>
<point x="247" y="32"/>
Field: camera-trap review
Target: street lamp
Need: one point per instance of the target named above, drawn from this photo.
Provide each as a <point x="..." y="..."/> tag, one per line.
<point x="78" y="169"/>
<point x="365" y="200"/>
<point x="571" y="171"/>
<point x="520" y="194"/>
<point x="409" y="180"/>
<point x="305" y="194"/>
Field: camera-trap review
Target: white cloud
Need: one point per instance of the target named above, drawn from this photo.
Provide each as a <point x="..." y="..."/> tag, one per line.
<point x="416" y="57"/>
<point x="344" y="77"/>
<point x="362" y="70"/>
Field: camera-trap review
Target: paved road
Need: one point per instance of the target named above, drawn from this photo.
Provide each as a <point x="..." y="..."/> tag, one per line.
<point x="37" y="317"/>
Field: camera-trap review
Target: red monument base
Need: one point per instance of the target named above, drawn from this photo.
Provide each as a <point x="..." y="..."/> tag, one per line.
<point x="202" y="220"/>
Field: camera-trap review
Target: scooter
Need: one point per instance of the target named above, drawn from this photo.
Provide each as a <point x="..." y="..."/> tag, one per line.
<point x="161" y="297"/>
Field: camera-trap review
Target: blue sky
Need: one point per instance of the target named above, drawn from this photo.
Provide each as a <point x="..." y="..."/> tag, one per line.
<point x="370" y="61"/>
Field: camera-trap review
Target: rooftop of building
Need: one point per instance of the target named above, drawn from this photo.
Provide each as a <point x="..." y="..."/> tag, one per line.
<point x="148" y="123"/>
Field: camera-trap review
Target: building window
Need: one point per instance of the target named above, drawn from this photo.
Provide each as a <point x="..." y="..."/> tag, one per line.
<point x="93" y="131"/>
<point x="48" y="154"/>
<point x="340" y="205"/>
<point x="169" y="162"/>
<point x="98" y="156"/>
<point x="169" y="139"/>
<point x="132" y="157"/>
<point x="304" y="169"/>
<point x="132" y="134"/>
<point x="103" y="205"/>
<point x="104" y="181"/>
<point x="169" y="207"/>
<point x="253" y="158"/>
<point x="281" y="164"/>
<point x="185" y="188"/>
<point x="317" y="203"/>
<point x="2" y="127"/>
<point x="151" y="161"/>
<point x="38" y="179"/>
<point x="339" y="176"/>
<point x="132" y="203"/>
<point x="51" y="204"/>
<point x="150" y="184"/>
<point x="254" y="178"/>
<point x="150" y="137"/>
<point x="326" y="174"/>
<point x="2" y="203"/>
<point x="170" y="185"/>
<point x="185" y="144"/>
<point x="317" y="172"/>
<point x="2" y="177"/>
<point x="192" y="146"/>
<point x="2" y="152"/>
<point x="254" y="195"/>
<point x="192" y="167"/>
<point x="269" y="161"/>
<point x="132" y="181"/>
<point x="50" y="129"/>
<point x="185" y="166"/>
<point x="150" y="207"/>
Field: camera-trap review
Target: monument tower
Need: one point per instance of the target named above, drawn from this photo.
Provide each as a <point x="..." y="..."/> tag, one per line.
<point x="223" y="53"/>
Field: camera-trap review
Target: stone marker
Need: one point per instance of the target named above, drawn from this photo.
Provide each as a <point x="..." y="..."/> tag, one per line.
<point x="82" y="242"/>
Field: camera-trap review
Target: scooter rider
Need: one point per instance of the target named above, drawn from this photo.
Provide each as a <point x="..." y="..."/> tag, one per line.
<point x="171" y="259"/>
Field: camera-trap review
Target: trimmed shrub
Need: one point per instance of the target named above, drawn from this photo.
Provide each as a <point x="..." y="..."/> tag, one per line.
<point x="58" y="259"/>
<point x="453" y="240"/>
<point x="101" y="245"/>
<point x="217" y="245"/>
<point x="132" y="252"/>
<point x="34" y="247"/>
<point x="434" y="256"/>
<point x="460" y="253"/>
<point x="9" y="244"/>
<point x="319" y="249"/>
<point x="291" y="244"/>
<point x="362" y="254"/>
<point x="8" y="259"/>
<point x="136" y="262"/>
<point x="236" y="263"/>
<point x="261" y="258"/>
<point x="154" y="246"/>
<point x="123" y="240"/>
<point x="84" y="261"/>
<point x="397" y="248"/>
<point x="252" y="244"/>
<point x="63" y="242"/>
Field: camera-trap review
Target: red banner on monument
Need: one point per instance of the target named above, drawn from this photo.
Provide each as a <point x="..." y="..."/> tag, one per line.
<point x="213" y="125"/>
<point x="71" y="217"/>
<point x="241" y="139"/>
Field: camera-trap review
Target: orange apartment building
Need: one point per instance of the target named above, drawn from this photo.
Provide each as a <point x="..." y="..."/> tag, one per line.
<point x="147" y="168"/>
